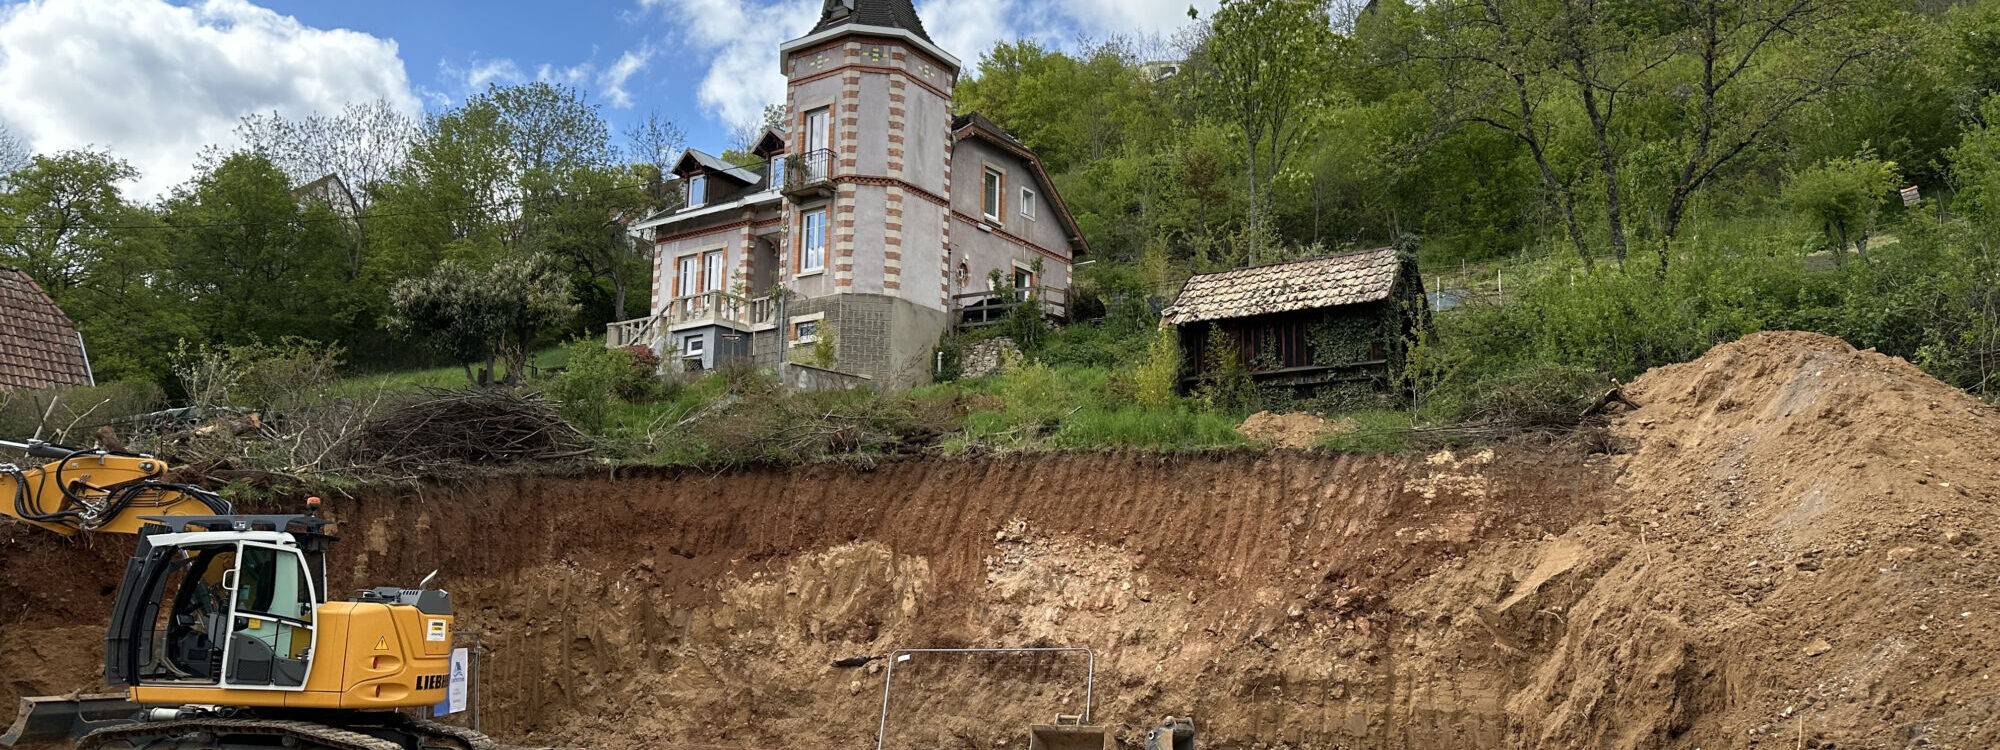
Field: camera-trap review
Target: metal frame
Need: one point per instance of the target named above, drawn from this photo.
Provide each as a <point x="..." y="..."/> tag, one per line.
<point x="889" y="675"/>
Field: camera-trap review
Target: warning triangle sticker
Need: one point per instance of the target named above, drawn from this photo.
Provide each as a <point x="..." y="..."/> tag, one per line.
<point x="382" y="644"/>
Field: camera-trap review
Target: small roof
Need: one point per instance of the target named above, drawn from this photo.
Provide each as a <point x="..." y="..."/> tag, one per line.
<point x="1333" y="281"/>
<point x="694" y="159"/>
<point x="39" y="346"/>
<point x="896" y="14"/>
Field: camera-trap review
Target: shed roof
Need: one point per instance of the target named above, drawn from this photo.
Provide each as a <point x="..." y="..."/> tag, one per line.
<point x="1333" y="281"/>
<point x="39" y="346"/>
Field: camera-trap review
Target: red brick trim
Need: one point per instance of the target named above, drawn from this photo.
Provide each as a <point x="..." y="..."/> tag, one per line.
<point x="1010" y="236"/>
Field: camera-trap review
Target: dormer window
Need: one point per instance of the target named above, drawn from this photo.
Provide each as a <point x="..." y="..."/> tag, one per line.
<point x="698" y="191"/>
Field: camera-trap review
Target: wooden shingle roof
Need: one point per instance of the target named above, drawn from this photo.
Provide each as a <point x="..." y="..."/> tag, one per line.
<point x="39" y="346"/>
<point x="1346" y="279"/>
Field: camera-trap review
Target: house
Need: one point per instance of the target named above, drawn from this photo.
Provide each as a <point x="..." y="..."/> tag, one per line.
<point x="1339" y="320"/>
<point x="874" y="218"/>
<point x="39" y="346"/>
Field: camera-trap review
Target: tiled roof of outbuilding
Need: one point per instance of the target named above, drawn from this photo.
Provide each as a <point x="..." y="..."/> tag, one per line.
<point x="39" y="347"/>
<point x="1345" y="279"/>
<point x="899" y="14"/>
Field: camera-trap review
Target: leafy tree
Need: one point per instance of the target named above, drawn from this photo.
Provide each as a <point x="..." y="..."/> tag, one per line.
<point x="1843" y="197"/>
<point x="1264" y="68"/>
<point x="14" y="152"/>
<point x="364" y="144"/>
<point x="252" y="261"/>
<point x="56" y="218"/>
<point x="489" y="314"/>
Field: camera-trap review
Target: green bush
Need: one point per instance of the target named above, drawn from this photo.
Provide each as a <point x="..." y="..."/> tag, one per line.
<point x="596" y="379"/>
<point x="69" y="415"/>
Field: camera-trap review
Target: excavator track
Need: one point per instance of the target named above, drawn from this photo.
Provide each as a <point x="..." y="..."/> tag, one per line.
<point x="302" y="734"/>
<point x="467" y="739"/>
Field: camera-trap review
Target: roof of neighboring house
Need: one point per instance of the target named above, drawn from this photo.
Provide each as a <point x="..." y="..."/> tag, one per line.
<point x="694" y="159"/>
<point x="975" y="124"/>
<point x="39" y="346"/>
<point x="898" y="14"/>
<point x="1336" y="280"/>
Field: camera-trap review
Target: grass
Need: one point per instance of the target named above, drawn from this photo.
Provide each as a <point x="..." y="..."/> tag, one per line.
<point x="451" y="376"/>
<point x="1376" y="431"/>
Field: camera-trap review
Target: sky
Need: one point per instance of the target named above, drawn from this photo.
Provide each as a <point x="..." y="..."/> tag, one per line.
<point x="157" y="80"/>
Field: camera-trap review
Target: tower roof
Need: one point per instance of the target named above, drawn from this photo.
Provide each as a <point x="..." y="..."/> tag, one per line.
<point x="898" y="14"/>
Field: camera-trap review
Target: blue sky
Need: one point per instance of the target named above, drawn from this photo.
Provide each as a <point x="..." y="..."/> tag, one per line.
<point x="156" y="80"/>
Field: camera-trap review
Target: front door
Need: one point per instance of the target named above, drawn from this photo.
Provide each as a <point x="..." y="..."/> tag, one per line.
<point x="271" y="636"/>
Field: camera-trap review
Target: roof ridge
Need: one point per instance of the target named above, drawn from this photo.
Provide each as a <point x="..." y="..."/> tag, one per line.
<point x="1316" y="259"/>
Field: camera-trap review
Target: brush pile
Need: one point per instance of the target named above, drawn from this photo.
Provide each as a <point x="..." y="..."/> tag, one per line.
<point x="443" y="429"/>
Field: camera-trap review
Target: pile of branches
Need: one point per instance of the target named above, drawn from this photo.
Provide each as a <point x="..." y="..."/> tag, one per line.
<point x="443" y="429"/>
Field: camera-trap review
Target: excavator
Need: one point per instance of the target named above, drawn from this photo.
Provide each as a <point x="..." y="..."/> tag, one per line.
<point x="224" y="635"/>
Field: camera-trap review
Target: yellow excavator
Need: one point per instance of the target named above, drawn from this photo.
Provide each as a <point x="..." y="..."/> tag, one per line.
<point x="224" y="636"/>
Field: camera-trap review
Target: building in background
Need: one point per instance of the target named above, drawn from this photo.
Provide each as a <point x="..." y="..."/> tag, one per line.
<point x="874" y="220"/>
<point x="39" y="346"/>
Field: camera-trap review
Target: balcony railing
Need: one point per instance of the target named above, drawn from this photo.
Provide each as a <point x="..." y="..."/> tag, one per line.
<point x="809" y="173"/>
<point x="974" y="309"/>
<point x="708" y="307"/>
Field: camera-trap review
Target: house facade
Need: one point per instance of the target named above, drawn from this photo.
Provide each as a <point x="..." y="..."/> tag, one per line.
<point x="873" y="220"/>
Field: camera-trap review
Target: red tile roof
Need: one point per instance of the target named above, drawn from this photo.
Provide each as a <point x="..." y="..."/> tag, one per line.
<point x="1346" y="279"/>
<point x="39" y="346"/>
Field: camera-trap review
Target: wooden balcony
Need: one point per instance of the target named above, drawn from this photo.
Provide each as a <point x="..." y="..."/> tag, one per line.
<point x="707" y="308"/>
<point x="975" y="309"/>
<point x="809" y="176"/>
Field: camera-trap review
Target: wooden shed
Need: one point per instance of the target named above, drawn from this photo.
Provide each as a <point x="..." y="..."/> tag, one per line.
<point x="1346" y="318"/>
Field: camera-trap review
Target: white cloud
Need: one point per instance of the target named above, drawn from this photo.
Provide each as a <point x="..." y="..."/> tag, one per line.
<point x="741" y="37"/>
<point x="615" y="77"/>
<point x="156" y="82"/>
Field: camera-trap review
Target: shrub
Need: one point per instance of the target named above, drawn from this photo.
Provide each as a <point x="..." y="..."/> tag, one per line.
<point x="1156" y="382"/>
<point x="595" y="379"/>
<point x="68" y="415"/>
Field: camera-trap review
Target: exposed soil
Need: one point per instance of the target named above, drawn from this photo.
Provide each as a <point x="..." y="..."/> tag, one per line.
<point x="1297" y="430"/>
<point x="1794" y="548"/>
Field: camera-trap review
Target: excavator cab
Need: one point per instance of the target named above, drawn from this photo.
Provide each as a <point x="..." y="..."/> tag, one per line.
<point x="231" y="608"/>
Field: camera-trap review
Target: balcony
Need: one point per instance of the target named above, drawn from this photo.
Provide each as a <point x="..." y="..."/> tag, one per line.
<point x="975" y="309"/>
<point x="809" y="176"/>
<point x="707" y="308"/>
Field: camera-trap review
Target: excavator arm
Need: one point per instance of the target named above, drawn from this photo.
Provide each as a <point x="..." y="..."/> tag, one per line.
<point x="77" y="490"/>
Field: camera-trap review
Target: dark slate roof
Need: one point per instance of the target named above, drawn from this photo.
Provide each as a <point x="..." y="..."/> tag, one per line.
<point x="39" y="347"/>
<point x="900" y="14"/>
<point x="1336" y="280"/>
<point x="710" y="163"/>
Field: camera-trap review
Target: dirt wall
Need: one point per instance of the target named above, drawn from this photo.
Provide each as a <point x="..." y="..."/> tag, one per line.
<point x="1790" y="544"/>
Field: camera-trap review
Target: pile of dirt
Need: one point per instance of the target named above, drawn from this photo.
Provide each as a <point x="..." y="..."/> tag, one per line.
<point x="1297" y="430"/>
<point x="1792" y="545"/>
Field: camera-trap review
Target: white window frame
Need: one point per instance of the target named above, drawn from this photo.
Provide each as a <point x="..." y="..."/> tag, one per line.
<point x="807" y="251"/>
<point x="688" y="268"/>
<point x="1028" y="196"/>
<point x="792" y="328"/>
<point x="697" y="191"/>
<point x="694" y="345"/>
<point x="997" y="197"/>
<point x="714" y="270"/>
<point x="223" y="671"/>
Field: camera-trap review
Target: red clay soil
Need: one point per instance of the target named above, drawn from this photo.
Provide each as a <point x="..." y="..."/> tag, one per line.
<point x="1795" y="549"/>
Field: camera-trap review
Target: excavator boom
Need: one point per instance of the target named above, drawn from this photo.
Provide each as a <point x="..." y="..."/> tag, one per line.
<point x="102" y="491"/>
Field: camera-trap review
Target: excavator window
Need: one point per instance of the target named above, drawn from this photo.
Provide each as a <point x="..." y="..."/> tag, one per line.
<point x="186" y="640"/>
<point x="271" y="639"/>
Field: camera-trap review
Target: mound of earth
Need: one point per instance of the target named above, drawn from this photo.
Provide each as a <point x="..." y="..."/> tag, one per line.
<point x="1297" y="430"/>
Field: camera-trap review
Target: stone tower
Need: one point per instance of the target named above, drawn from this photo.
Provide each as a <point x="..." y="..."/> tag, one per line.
<point x="867" y="182"/>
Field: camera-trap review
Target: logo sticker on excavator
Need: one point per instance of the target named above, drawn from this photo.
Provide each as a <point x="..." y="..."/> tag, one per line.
<point x="436" y="631"/>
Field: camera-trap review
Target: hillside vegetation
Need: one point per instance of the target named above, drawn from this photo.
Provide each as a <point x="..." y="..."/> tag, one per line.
<point x="1605" y="186"/>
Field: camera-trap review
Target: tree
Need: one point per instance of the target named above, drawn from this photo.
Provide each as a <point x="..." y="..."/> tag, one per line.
<point x="56" y="219"/>
<point x="14" y="152"/>
<point x="1844" y="197"/>
<point x="252" y="261"/>
<point x="492" y="314"/>
<point x="655" y="143"/>
<point x="1265" y="68"/>
<point x="364" y="144"/>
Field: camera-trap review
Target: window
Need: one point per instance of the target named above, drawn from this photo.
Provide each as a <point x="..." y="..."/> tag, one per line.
<point x="819" y="138"/>
<point x="991" y="197"/>
<point x="805" y="330"/>
<point x="1024" y="279"/>
<point x="697" y="191"/>
<point x="712" y="272"/>
<point x="694" y="346"/>
<point x="777" y="171"/>
<point x="1028" y="203"/>
<point x="689" y="283"/>
<point x="812" y="241"/>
